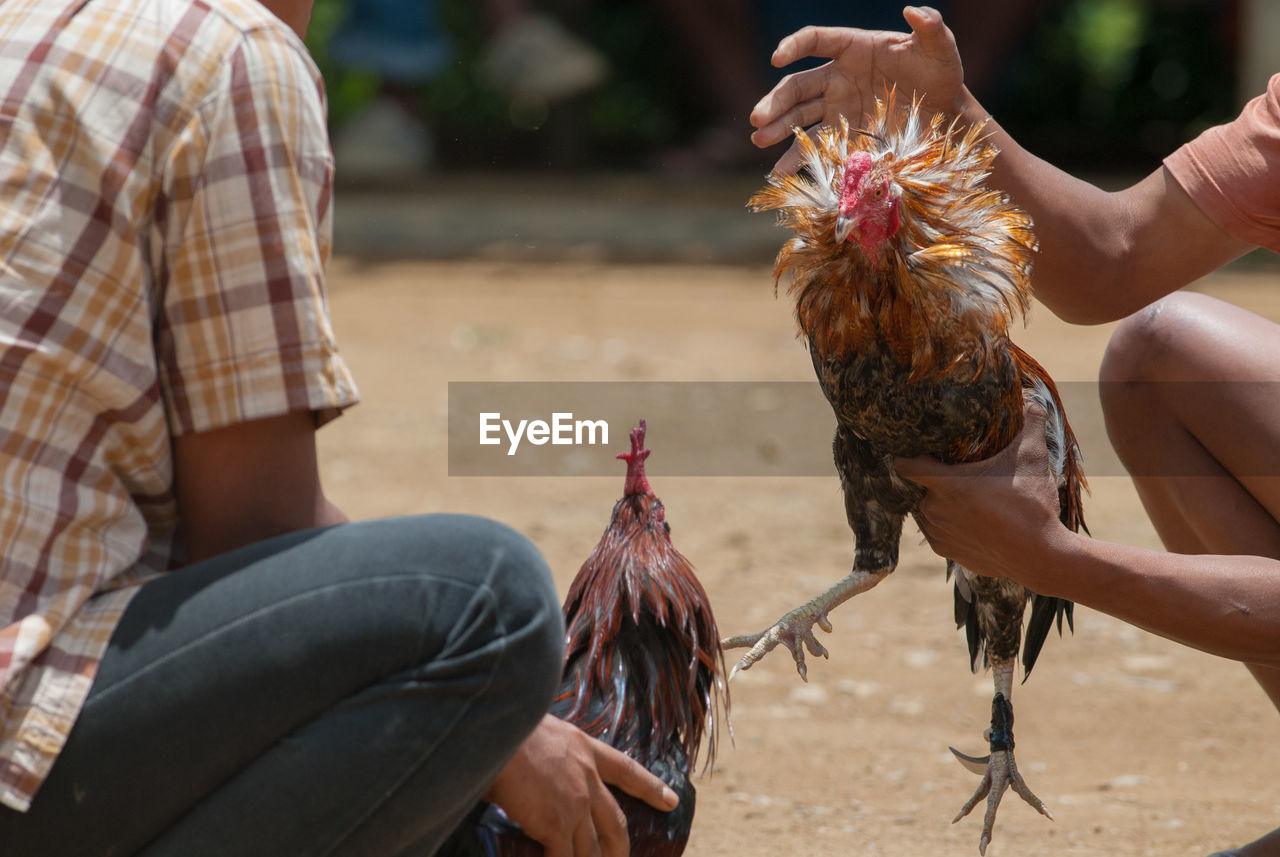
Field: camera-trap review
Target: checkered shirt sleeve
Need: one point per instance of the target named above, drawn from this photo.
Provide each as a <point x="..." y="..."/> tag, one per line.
<point x="244" y="232"/>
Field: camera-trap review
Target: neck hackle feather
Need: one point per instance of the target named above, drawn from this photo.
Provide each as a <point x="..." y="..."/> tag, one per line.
<point x="957" y="270"/>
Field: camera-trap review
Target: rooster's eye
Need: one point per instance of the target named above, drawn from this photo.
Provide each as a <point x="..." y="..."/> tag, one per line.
<point x="878" y="192"/>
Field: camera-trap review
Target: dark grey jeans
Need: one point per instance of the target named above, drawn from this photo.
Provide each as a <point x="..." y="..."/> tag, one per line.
<point x="345" y="691"/>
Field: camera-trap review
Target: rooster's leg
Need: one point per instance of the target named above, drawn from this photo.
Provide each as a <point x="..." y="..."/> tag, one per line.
<point x="865" y="478"/>
<point x="795" y="629"/>
<point x="999" y="771"/>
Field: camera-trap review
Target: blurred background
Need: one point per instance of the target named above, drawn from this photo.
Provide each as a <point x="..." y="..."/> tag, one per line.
<point x="1141" y="748"/>
<point x="642" y="105"/>
<point x="553" y="191"/>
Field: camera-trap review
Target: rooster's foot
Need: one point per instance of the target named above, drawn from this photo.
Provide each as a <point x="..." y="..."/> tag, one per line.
<point x="999" y="773"/>
<point x="794" y="630"/>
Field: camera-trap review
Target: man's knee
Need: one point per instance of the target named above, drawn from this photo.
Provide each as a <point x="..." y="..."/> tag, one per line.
<point x="1149" y="352"/>
<point x="1165" y="341"/>
<point x="487" y="601"/>
<point x="518" y="589"/>
<point x="526" y="593"/>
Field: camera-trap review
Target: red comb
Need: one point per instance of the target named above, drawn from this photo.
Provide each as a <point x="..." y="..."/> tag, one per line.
<point x="636" y="481"/>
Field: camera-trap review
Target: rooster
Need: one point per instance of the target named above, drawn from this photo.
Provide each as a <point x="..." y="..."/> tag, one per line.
<point x="643" y="672"/>
<point x="907" y="273"/>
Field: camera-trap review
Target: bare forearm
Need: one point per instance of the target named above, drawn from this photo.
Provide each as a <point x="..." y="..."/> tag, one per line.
<point x="1079" y="269"/>
<point x="249" y="481"/>
<point x="1104" y="255"/>
<point x="208" y="541"/>
<point x="1224" y="605"/>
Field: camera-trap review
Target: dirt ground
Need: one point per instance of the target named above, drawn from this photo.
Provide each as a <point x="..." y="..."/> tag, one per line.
<point x="1138" y="746"/>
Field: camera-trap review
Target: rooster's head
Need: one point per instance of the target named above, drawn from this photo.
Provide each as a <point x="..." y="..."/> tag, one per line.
<point x="869" y="198"/>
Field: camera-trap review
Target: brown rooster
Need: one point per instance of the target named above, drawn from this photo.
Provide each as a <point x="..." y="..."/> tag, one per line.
<point x="644" y="671"/>
<point x="906" y="273"/>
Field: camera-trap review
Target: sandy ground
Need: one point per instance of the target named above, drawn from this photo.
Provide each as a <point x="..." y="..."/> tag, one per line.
<point x="1139" y="747"/>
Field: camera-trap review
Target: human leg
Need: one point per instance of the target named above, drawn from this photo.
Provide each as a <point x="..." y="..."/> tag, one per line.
<point x="1189" y="390"/>
<point x="347" y="691"/>
<point x="1191" y="395"/>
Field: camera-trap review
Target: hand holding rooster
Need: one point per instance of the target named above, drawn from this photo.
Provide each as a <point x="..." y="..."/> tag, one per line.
<point x="555" y="789"/>
<point x="1101" y="256"/>
<point x="995" y="513"/>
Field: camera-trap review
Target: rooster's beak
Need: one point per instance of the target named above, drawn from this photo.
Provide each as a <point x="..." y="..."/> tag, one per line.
<point x="844" y="225"/>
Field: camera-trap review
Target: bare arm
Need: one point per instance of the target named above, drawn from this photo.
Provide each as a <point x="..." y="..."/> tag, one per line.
<point x="1224" y="605"/>
<point x="1000" y="516"/>
<point x="1102" y="255"/>
<point x="247" y="482"/>
<point x="1106" y="255"/>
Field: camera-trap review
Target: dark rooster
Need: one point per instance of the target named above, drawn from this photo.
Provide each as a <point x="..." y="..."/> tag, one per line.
<point x="907" y="273"/>
<point x="643" y="671"/>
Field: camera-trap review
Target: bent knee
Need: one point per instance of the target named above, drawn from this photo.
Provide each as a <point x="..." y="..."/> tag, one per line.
<point x="485" y="589"/>
<point x="518" y="575"/>
<point x="522" y="592"/>
<point x="1141" y="356"/>
<point x="528" y="608"/>
<point x="1164" y="341"/>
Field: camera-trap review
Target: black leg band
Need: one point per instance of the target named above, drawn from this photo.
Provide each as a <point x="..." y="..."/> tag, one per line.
<point x="1001" y="723"/>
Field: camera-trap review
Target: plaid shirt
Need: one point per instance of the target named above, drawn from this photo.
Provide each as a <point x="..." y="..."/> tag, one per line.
<point x="165" y="205"/>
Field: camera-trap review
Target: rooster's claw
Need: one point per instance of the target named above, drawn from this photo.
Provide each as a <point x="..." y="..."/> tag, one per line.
<point x="794" y="630"/>
<point x="1000" y="773"/>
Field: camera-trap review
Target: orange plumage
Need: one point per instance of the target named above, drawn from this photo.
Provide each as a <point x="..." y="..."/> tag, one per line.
<point x="907" y="272"/>
<point x="956" y="273"/>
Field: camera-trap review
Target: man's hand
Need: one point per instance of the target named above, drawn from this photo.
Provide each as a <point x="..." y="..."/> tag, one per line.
<point x="992" y="516"/>
<point x="554" y="788"/>
<point x="864" y="65"/>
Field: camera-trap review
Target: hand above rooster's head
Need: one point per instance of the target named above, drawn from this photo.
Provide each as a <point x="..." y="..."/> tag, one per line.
<point x="864" y="65"/>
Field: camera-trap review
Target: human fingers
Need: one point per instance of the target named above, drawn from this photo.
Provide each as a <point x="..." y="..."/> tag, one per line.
<point x="1026" y="452"/>
<point x="626" y="773"/>
<point x="792" y="90"/>
<point x="610" y="824"/>
<point x="923" y="470"/>
<point x="799" y="116"/>
<point x="927" y="27"/>
<point x="812" y="41"/>
<point x="586" y="842"/>
<point x="1034" y="457"/>
<point x="1034" y="417"/>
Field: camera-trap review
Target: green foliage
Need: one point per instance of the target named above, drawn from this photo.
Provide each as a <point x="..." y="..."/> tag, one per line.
<point x="1107" y="35"/>
<point x="348" y="89"/>
<point x="1118" y="83"/>
<point x="1096" y="83"/>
